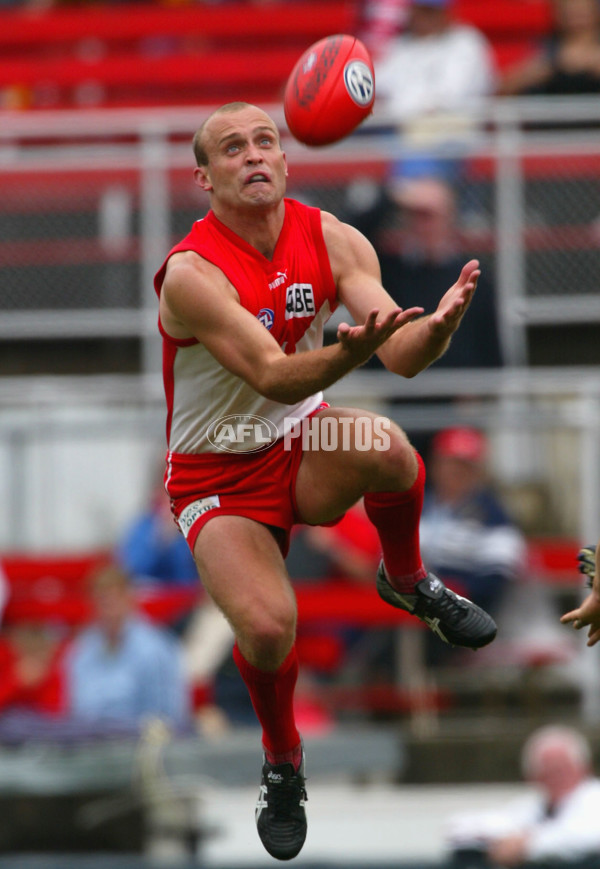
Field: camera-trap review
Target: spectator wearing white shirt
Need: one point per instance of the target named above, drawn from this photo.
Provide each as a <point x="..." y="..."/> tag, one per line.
<point x="430" y="79"/>
<point x="557" y="821"/>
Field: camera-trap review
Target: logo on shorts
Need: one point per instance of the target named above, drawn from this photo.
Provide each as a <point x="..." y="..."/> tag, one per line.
<point x="194" y="510"/>
<point x="242" y="433"/>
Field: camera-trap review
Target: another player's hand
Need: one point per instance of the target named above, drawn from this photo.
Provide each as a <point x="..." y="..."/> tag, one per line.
<point x="455" y="302"/>
<point x="362" y="341"/>
<point x="586" y="615"/>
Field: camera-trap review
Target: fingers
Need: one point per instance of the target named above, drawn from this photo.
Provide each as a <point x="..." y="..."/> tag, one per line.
<point x="371" y="320"/>
<point x="469" y="276"/>
<point x="375" y="331"/>
<point x="388" y="322"/>
<point x="468" y="270"/>
<point x="391" y="321"/>
<point x="574" y="618"/>
<point x="411" y="313"/>
<point x="593" y="636"/>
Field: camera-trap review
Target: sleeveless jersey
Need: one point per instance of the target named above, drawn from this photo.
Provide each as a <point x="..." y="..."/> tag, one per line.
<point x="292" y="295"/>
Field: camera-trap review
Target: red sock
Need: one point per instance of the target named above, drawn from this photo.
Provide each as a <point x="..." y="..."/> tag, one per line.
<point x="272" y="695"/>
<point x="396" y="517"/>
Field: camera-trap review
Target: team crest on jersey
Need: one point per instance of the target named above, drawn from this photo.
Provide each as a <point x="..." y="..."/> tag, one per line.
<point x="266" y="316"/>
<point x="299" y="301"/>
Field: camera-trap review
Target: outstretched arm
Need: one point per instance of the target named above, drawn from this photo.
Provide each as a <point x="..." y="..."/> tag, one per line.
<point x="422" y="340"/>
<point x="198" y="301"/>
<point x="588" y="613"/>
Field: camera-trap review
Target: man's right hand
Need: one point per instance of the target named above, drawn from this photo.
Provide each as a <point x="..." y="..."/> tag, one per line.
<point x="362" y="341"/>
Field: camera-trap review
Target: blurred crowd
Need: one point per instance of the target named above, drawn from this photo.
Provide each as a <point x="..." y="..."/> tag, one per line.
<point x="120" y="666"/>
<point x="433" y="72"/>
<point x="434" y="69"/>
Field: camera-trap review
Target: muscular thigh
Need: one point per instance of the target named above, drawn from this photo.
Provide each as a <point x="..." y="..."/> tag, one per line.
<point x="242" y="569"/>
<point x="367" y="453"/>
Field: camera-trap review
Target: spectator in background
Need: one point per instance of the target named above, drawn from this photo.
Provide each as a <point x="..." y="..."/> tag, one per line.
<point x="467" y="537"/>
<point x="434" y="74"/>
<point x="568" y="62"/>
<point x="380" y="22"/>
<point x="350" y="549"/>
<point x="424" y="254"/>
<point x="155" y="554"/>
<point x="122" y="669"/>
<point x="557" y="824"/>
<point x="415" y="228"/>
<point x="153" y="551"/>
<point x="347" y="552"/>
<point x="31" y="670"/>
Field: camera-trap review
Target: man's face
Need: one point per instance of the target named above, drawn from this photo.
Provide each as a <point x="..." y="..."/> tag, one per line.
<point x="556" y="771"/>
<point x="454" y="478"/>
<point x="427" y="20"/>
<point x="246" y="166"/>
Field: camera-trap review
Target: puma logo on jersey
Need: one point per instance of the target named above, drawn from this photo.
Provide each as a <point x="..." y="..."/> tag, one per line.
<point x="299" y="301"/>
<point x="279" y="280"/>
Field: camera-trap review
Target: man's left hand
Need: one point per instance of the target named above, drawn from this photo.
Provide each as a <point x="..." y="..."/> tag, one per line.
<point x="455" y="302"/>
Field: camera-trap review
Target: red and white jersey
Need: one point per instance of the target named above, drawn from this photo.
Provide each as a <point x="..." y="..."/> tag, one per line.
<point x="292" y="295"/>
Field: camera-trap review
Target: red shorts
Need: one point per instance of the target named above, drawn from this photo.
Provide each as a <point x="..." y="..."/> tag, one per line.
<point x="258" y="485"/>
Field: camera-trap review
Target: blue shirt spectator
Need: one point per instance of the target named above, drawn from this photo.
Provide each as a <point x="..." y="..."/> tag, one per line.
<point x="155" y="555"/>
<point x="124" y="669"/>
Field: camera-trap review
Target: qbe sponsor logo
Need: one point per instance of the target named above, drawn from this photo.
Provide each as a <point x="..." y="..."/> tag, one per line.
<point x="247" y="433"/>
<point x="299" y="301"/>
<point x="329" y="433"/>
<point x="196" y="509"/>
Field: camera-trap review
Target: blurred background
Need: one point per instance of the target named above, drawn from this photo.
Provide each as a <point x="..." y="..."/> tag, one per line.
<point x="484" y="142"/>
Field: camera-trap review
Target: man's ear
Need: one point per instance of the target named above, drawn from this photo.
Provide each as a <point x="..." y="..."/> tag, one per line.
<point x="201" y="178"/>
<point x="286" y="164"/>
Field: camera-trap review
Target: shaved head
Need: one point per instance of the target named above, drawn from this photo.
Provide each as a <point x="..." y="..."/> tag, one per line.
<point x="200" y="137"/>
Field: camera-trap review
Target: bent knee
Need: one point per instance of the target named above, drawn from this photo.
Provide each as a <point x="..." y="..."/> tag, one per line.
<point x="269" y="631"/>
<point x="397" y="467"/>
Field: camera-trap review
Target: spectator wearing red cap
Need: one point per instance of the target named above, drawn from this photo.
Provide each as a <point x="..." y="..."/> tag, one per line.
<point x="467" y="537"/>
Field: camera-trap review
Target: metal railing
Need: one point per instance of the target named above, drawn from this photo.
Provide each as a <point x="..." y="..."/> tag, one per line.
<point x="92" y="201"/>
<point x="123" y="189"/>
